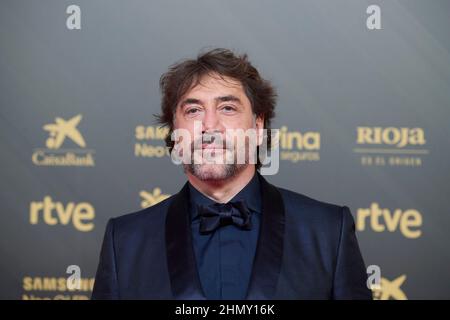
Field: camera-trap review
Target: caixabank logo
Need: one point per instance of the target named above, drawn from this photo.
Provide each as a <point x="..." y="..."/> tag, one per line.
<point x="408" y="222"/>
<point x="150" y="198"/>
<point x="390" y="289"/>
<point x="150" y="141"/>
<point x="64" y="146"/>
<point x="391" y="146"/>
<point x="296" y="146"/>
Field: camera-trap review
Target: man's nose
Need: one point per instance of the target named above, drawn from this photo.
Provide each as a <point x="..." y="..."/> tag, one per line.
<point x="211" y="121"/>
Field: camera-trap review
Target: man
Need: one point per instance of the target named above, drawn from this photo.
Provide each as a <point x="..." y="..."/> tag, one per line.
<point x="228" y="234"/>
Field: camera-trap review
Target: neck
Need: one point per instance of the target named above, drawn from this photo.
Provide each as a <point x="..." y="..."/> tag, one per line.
<point x="224" y="190"/>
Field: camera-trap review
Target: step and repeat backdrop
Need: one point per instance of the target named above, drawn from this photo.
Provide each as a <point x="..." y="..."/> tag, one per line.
<point x="363" y="113"/>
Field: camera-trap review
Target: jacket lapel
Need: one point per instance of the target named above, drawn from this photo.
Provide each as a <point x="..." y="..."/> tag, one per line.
<point x="181" y="262"/>
<point x="182" y="267"/>
<point x="269" y="251"/>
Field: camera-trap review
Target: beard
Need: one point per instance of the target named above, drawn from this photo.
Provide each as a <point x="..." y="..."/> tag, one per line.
<point x="210" y="171"/>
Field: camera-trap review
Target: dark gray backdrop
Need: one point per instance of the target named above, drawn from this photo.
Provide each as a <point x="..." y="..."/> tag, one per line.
<point x="333" y="76"/>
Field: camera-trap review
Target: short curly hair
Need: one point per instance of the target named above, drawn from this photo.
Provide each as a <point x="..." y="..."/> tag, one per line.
<point x="184" y="75"/>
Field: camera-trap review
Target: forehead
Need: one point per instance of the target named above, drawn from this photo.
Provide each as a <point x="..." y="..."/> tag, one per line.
<point x="215" y="84"/>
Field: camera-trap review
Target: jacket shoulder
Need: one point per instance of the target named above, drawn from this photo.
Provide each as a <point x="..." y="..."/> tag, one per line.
<point x="299" y="199"/>
<point x="299" y="205"/>
<point x="154" y="215"/>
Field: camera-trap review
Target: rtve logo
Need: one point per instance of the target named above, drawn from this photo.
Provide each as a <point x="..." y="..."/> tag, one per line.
<point x="391" y="136"/>
<point x="297" y="146"/>
<point x="151" y="198"/>
<point x="380" y="220"/>
<point x="59" y="132"/>
<point x="151" y="141"/>
<point x="390" y="290"/>
<point x="81" y="215"/>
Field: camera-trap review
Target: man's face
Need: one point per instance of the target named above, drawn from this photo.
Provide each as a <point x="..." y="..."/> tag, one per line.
<point x="216" y="106"/>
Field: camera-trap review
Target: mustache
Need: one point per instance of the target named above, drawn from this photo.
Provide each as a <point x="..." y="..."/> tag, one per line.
<point x="199" y="145"/>
<point x="210" y="141"/>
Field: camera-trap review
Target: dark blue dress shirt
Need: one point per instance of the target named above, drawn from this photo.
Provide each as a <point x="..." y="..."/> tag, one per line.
<point x="225" y="256"/>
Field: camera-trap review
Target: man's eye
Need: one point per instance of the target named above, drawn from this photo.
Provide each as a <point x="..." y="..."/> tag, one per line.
<point x="192" y="111"/>
<point x="229" y="108"/>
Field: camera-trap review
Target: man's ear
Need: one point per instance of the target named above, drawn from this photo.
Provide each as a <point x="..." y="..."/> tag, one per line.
<point x="259" y="123"/>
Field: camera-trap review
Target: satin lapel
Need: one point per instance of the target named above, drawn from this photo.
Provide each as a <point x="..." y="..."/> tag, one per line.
<point x="269" y="251"/>
<point x="184" y="279"/>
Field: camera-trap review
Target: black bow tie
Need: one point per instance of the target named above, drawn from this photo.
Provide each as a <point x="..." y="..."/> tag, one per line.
<point x="216" y="215"/>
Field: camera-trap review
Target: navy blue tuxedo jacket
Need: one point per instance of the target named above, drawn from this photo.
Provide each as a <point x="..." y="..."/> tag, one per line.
<point x="306" y="249"/>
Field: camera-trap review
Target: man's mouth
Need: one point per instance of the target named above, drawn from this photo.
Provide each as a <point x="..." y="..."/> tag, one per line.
<point x="212" y="146"/>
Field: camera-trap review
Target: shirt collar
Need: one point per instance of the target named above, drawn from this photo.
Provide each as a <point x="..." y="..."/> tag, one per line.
<point x="251" y="193"/>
